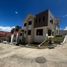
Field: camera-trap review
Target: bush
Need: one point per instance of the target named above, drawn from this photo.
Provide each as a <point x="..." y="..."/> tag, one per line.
<point x="58" y="36"/>
<point x="21" y="40"/>
<point x="58" y="39"/>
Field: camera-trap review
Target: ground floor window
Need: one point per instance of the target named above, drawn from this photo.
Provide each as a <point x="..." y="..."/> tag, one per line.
<point x="29" y="32"/>
<point x="30" y="22"/>
<point x="39" y="32"/>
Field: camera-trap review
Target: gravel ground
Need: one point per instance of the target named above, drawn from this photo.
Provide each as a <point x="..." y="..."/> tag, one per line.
<point x="15" y="56"/>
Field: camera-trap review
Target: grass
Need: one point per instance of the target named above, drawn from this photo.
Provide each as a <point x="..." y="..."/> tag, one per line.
<point x="58" y="39"/>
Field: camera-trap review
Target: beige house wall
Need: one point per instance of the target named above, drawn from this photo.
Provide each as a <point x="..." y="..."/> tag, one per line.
<point x="53" y="26"/>
<point x="29" y="38"/>
<point x="38" y="38"/>
<point x="50" y="26"/>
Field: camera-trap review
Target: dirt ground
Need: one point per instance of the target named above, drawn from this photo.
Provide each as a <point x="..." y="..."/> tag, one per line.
<point x="16" y="56"/>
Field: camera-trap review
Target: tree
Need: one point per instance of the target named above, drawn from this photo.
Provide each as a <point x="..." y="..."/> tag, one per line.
<point x="12" y="31"/>
<point x="17" y="28"/>
<point x="20" y="39"/>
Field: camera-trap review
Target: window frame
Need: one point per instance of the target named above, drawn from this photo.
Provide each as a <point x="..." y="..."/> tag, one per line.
<point x="29" y="32"/>
<point x="51" y="21"/>
<point x="39" y="32"/>
<point x="39" y="20"/>
<point x="43" y="18"/>
<point x="25" y="24"/>
<point x="29" y="22"/>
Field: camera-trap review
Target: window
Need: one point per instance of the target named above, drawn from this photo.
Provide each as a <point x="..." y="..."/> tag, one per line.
<point x="25" y="24"/>
<point x="51" y="21"/>
<point x="39" y="20"/>
<point x="29" y="32"/>
<point x="43" y="18"/>
<point x="36" y="20"/>
<point x="30" y="22"/>
<point x="39" y="32"/>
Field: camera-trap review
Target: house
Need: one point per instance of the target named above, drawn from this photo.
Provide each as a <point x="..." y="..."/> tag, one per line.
<point x="38" y="27"/>
<point x="4" y="35"/>
<point x="63" y="32"/>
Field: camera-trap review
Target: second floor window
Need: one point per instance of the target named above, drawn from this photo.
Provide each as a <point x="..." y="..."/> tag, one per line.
<point x="51" y="21"/>
<point x="43" y="18"/>
<point x="30" y="22"/>
<point x="25" y="24"/>
<point x="36" y="20"/>
<point x="39" y="19"/>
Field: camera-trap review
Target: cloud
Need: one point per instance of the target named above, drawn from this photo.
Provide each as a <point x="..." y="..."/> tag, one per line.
<point x="65" y="28"/>
<point x="6" y="28"/>
<point x="65" y="16"/>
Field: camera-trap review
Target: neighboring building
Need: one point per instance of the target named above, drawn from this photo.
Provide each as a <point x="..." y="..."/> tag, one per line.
<point x="4" y="35"/>
<point x="63" y="32"/>
<point x="38" y="27"/>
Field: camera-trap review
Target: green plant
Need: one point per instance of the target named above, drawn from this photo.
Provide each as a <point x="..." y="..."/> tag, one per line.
<point x="21" y="40"/>
<point x="58" y="39"/>
<point x="58" y="35"/>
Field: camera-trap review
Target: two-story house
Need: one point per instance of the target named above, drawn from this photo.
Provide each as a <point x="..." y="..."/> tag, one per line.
<point x="38" y="27"/>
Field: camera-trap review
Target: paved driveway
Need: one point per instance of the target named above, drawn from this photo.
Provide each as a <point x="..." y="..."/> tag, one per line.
<point x="15" y="56"/>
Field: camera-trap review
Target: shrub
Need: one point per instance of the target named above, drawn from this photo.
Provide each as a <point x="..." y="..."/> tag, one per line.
<point x="58" y="39"/>
<point x="21" y="40"/>
<point x="58" y="36"/>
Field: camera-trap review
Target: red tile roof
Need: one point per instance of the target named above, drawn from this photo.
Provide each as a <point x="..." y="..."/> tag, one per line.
<point x="4" y="34"/>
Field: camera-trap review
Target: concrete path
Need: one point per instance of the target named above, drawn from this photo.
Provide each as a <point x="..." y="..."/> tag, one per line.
<point x="15" y="56"/>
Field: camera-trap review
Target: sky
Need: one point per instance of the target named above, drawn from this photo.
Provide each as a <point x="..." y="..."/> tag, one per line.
<point x="14" y="12"/>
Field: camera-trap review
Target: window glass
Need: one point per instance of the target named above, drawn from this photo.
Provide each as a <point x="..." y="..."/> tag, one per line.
<point x="43" y="18"/>
<point x="39" y="32"/>
<point x="39" y="19"/>
<point x="24" y="24"/>
<point x="29" y="32"/>
<point x="30" y="22"/>
<point x="51" y="21"/>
